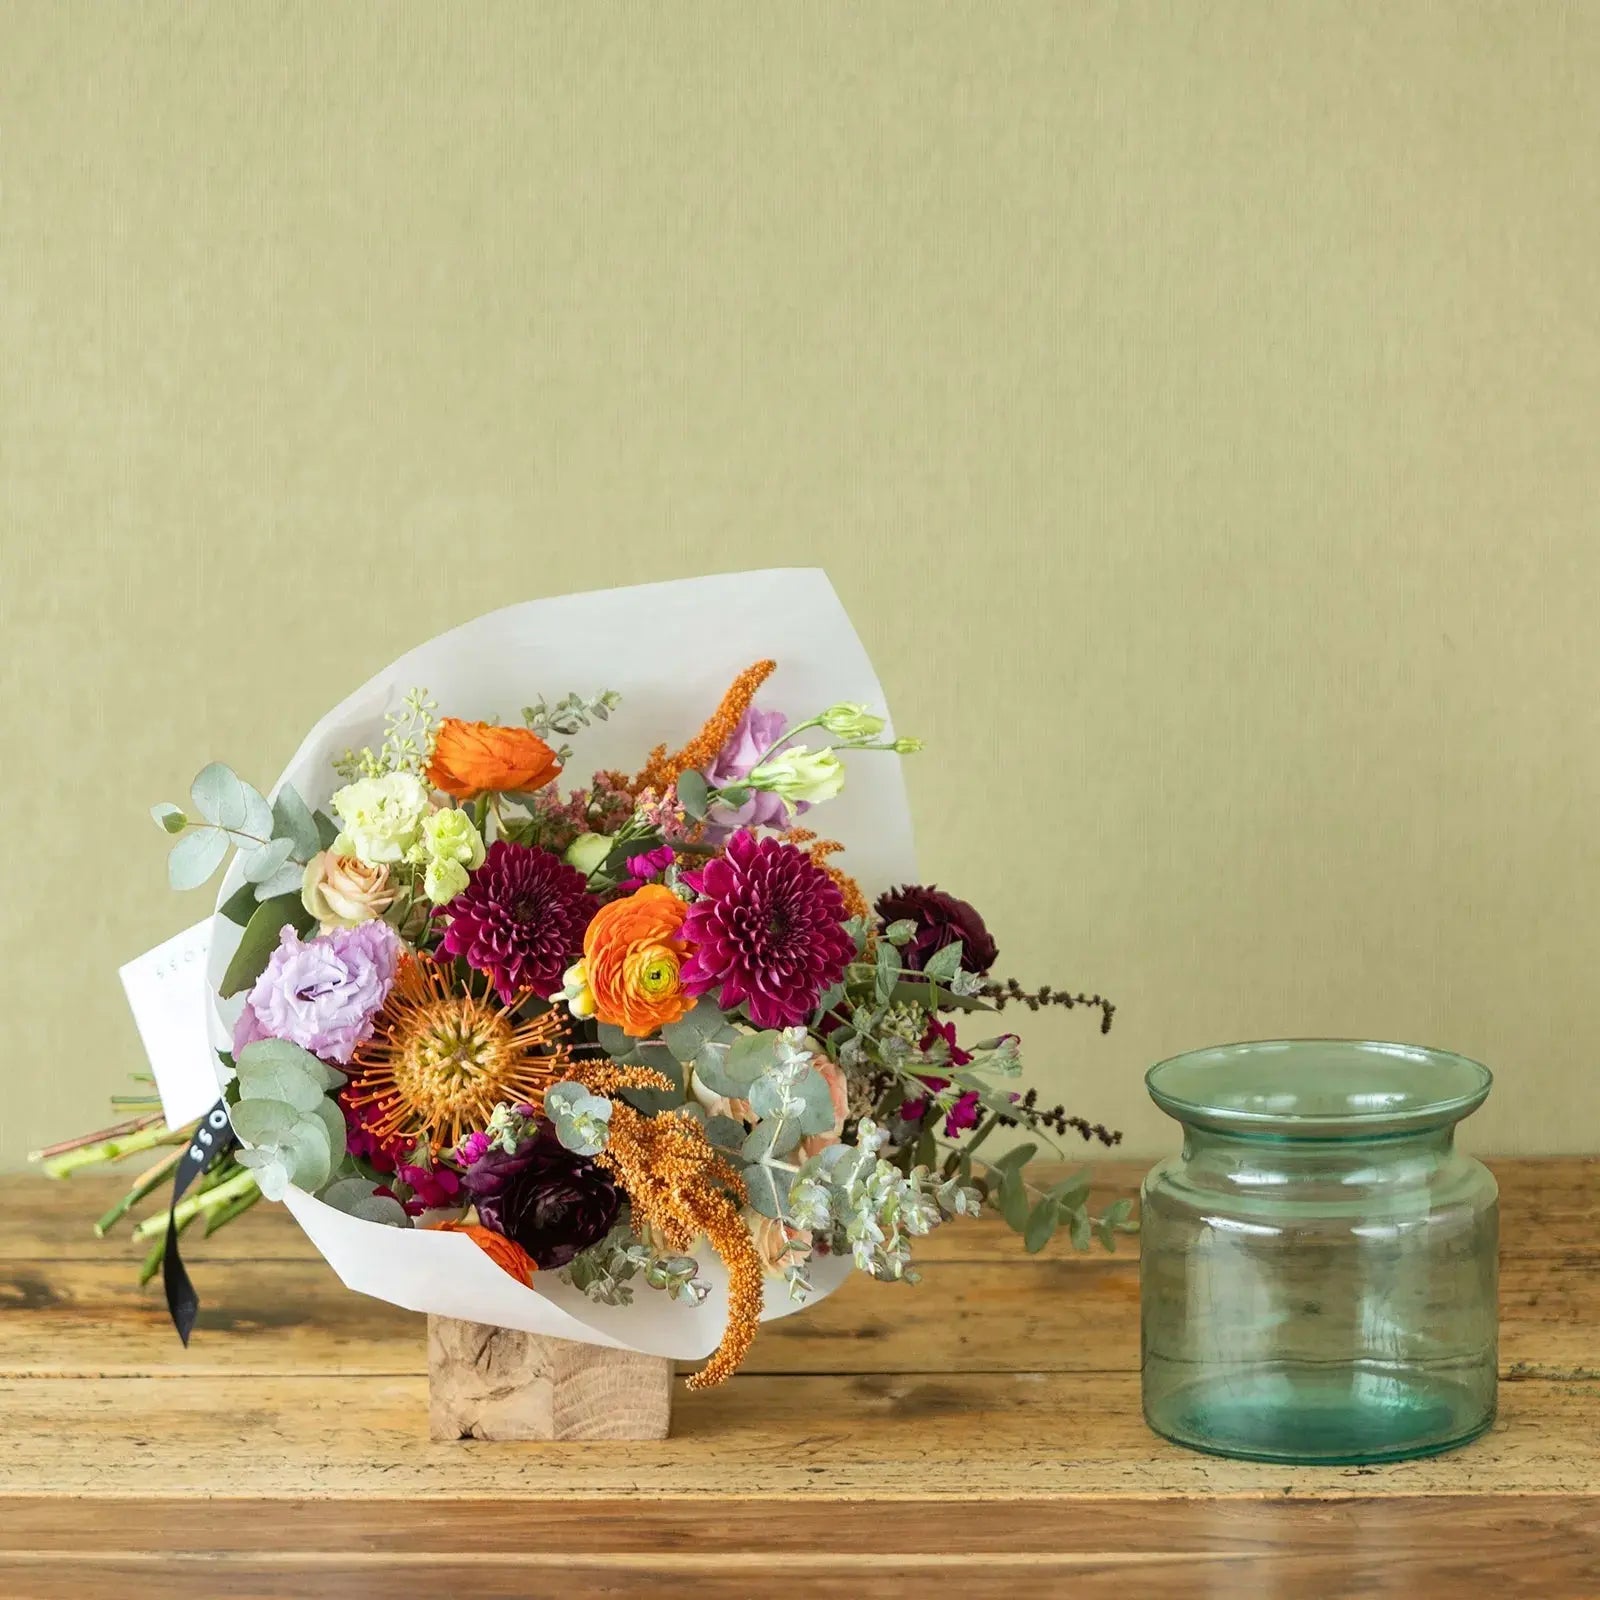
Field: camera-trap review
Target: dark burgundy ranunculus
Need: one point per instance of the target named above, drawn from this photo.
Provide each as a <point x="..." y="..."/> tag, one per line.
<point x="941" y="919"/>
<point x="550" y="1201"/>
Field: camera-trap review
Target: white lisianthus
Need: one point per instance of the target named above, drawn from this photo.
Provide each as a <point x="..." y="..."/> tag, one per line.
<point x="799" y="774"/>
<point x="848" y="721"/>
<point x="449" y="847"/>
<point x="382" y="817"/>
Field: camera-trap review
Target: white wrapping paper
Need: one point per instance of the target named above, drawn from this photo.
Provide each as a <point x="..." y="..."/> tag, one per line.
<point x="671" y="649"/>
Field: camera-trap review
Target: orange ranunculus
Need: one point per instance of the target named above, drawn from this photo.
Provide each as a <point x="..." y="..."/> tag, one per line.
<point x="506" y="1253"/>
<point x="473" y="758"/>
<point x="631" y="956"/>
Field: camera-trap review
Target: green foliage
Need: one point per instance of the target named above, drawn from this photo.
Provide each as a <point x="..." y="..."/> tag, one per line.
<point x="281" y="1111"/>
<point x="694" y="794"/>
<point x="581" y="1119"/>
<point x="274" y="842"/>
<point x="355" y="1197"/>
<point x="943" y="964"/>
<point x="408" y="736"/>
<point x="568" y="716"/>
<point x="604" y="1271"/>
<point x="260" y="939"/>
<point x="292" y="820"/>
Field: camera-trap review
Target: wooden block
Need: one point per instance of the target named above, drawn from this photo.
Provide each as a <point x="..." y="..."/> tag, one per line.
<point x="496" y="1383"/>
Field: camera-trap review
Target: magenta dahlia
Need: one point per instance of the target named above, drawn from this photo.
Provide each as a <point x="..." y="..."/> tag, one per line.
<point x="768" y="926"/>
<point x="520" y="919"/>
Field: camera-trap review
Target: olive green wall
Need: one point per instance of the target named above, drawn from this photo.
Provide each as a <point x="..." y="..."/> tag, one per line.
<point x="1194" y="404"/>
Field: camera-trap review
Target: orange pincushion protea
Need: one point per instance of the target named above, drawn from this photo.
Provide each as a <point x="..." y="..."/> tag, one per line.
<point x="474" y="758"/>
<point x="506" y="1253"/>
<point x="631" y="955"/>
<point x="440" y="1060"/>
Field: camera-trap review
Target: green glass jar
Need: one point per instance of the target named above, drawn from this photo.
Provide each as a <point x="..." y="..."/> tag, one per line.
<point x="1318" y="1267"/>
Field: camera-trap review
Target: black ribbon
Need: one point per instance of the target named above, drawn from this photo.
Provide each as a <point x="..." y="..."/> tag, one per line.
<point x="214" y="1137"/>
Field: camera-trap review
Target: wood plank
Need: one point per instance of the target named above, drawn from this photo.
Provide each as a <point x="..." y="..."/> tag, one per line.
<point x="1019" y="1436"/>
<point x="1543" y="1546"/>
<point x="1022" y="1314"/>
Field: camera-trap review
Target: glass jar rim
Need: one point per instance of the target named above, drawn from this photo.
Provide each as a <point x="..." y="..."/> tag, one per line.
<point x="1319" y="1088"/>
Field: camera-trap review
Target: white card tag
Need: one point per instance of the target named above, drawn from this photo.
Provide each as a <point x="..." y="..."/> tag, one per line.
<point x="166" y="988"/>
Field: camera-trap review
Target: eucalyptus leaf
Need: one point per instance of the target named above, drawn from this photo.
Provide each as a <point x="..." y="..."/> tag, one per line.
<point x="308" y="1154"/>
<point x="271" y="1173"/>
<point x="768" y="1189"/>
<point x="774" y="1138"/>
<point x="262" y="862"/>
<point x="901" y="932"/>
<point x="277" y="1079"/>
<point x="727" y="1133"/>
<point x="260" y="939"/>
<point x="693" y="793"/>
<point x="817" y="1115"/>
<point x="1013" y="1199"/>
<point x="263" y="1122"/>
<point x="885" y="972"/>
<point x="327" y="832"/>
<point x="218" y="795"/>
<point x="1080" y="1230"/>
<point x="769" y="1096"/>
<point x="1041" y="1225"/>
<point x="944" y="963"/>
<point x="1018" y="1156"/>
<point x="685" y="1037"/>
<point x="654" y="1101"/>
<point x="168" y="817"/>
<point x="286" y="880"/>
<point x="292" y="820"/>
<point x="332" y="1118"/>
<point x="195" y="857"/>
<point x="1071" y="1191"/>
<point x="356" y="1197"/>
<point x="292" y="1057"/>
<point x="751" y="1055"/>
<point x="613" y="1040"/>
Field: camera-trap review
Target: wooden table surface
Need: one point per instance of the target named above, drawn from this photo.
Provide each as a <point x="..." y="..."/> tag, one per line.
<point x="892" y="1440"/>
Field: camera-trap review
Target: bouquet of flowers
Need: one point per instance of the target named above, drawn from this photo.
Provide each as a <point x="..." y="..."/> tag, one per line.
<point x="534" y="1052"/>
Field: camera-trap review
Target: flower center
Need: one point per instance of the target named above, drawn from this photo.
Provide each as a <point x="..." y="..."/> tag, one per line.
<point x="658" y="973"/>
<point x="444" y="1064"/>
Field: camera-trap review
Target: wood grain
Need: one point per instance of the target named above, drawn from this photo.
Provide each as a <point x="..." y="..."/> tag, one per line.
<point x="497" y="1383"/>
<point x="984" y="1426"/>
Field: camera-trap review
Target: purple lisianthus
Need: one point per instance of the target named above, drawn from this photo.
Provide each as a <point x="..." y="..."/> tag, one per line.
<point x="322" y="993"/>
<point x="757" y="733"/>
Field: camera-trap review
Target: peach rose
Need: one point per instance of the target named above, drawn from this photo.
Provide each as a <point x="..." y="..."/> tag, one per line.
<point x="780" y="1245"/>
<point x="342" y="891"/>
<point x="473" y="758"/>
<point x="631" y="955"/>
